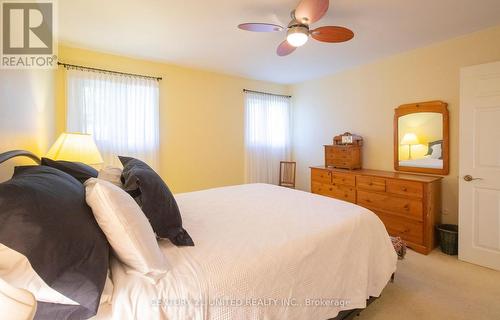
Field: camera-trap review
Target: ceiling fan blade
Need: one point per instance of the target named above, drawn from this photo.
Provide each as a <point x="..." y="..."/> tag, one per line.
<point x="332" y="34"/>
<point x="260" y="27"/>
<point x="310" y="11"/>
<point x="285" y="49"/>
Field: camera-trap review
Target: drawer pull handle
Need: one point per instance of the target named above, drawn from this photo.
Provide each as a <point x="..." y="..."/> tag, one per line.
<point x="346" y="195"/>
<point x="404" y="189"/>
<point x="407" y="206"/>
<point x="368" y="200"/>
<point x="331" y="189"/>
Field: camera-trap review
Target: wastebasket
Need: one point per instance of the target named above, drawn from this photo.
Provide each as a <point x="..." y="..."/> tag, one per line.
<point x="448" y="235"/>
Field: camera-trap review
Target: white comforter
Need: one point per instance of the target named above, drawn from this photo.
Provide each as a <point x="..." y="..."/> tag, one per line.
<point x="263" y="252"/>
<point x="423" y="163"/>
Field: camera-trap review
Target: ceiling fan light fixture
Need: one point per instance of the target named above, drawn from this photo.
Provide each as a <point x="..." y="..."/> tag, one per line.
<point x="299" y="29"/>
<point x="297" y="36"/>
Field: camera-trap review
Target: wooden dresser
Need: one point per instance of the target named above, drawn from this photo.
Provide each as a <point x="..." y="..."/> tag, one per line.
<point x="345" y="152"/>
<point x="348" y="157"/>
<point x="408" y="204"/>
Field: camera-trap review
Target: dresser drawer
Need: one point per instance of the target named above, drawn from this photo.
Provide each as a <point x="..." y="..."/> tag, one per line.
<point x="370" y="183"/>
<point x="323" y="176"/>
<point x="334" y="191"/>
<point x="404" y="207"/>
<point x="343" y="179"/>
<point x="338" y="156"/>
<point x="337" y="152"/>
<point x="345" y="193"/>
<point x="320" y="188"/>
<point x="341" y="150"/>
<point x="406" y="229"/>
<point x="339" y="163"/>
<point x="406" y="188"/>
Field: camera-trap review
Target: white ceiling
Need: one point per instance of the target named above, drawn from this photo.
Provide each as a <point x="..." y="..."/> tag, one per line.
<point x="203" y="33"/>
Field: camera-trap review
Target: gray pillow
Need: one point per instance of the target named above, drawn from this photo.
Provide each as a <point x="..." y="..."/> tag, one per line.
<point x="155" y="200"/>
<point x="429" y="147"/>
<point x="44" y="216"/>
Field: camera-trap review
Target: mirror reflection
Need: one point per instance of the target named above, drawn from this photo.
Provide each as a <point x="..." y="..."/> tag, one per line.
<point x="421" y="140"/>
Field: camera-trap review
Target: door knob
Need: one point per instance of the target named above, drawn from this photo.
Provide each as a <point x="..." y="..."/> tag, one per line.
<point x="469" y="178"/>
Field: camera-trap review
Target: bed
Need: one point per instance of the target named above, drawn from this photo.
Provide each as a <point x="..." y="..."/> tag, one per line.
<point x="426" y="162"/>
<point x="262" y="252"/>
<point x="256" y="243"/>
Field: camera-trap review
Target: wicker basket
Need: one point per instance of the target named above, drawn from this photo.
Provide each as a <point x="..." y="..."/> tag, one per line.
<point x="448" y="235"/>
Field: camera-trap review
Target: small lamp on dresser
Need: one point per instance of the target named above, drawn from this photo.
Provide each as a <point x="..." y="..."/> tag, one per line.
<point x="76" y="147"/>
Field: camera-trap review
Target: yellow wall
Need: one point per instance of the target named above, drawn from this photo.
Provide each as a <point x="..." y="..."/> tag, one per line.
<point x="201" y="118"/>
<point x="26" y="114"/>
<point x="362" y="101"/>
<point x="201" y="112"/>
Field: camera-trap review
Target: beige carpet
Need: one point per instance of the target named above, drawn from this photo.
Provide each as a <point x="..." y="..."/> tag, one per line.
<point x="438" y="286"/>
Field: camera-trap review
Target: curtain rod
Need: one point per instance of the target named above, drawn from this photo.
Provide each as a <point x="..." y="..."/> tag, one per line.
<point x="271" y="94"/>
<point x="66" y="65"/>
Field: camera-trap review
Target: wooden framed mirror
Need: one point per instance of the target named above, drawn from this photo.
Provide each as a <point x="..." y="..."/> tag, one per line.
<point x="421" y="138"/>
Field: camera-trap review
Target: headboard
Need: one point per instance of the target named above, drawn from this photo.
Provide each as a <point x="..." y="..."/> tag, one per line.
<point x="18" y="153"/>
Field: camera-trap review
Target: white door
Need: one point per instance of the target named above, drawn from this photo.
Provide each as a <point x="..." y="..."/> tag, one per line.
<point x="479" y="191"/>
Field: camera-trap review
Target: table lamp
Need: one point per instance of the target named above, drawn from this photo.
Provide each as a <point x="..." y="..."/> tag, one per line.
<point x="409" y="139"/>
<point x="75" y="147"/>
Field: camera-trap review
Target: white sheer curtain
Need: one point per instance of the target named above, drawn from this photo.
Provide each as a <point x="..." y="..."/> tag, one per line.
<point x="267" y="136"/>
<point x="121" y="112"/>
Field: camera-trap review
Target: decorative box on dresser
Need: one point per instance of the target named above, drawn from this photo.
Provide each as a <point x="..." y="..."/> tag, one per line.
<point x="408" y="204"/>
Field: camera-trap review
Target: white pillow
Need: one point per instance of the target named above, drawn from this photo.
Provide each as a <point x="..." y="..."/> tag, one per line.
<point x="16" y="270"/>
<point x="15" y="303"/>
<point x="107" y="292"/>
<point x="436" y="151"/>
<point x="111" y="174"/>
<point x="126" y="228"/>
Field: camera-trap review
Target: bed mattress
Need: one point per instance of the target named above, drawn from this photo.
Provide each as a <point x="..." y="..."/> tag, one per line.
<point x="262" y="252"/>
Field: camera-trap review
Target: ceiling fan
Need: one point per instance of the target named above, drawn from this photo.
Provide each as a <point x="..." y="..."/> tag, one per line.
<point x="298" y="30"/>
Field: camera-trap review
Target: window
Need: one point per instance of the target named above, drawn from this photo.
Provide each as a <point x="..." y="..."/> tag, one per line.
<point x="121" y="112"/>
<point x="267" y="136"/>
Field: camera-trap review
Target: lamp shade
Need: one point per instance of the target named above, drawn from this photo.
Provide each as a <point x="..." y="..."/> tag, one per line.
<point x="409" y="138"/>
<point x="76" y="147"/>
